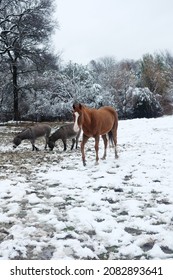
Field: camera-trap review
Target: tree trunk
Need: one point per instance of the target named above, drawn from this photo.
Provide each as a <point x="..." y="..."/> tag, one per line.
<point x="15" y="94"/>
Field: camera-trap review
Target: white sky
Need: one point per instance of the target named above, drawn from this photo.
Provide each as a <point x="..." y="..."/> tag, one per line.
<point x="90" y="29"/>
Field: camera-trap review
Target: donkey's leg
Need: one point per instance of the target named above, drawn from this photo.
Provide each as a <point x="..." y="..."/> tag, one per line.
<point x="105" y="145"/>
<point x="65" y="144"/>
<point x="77" y="140"/>
<point x="33" y="145"/>
<point x="37" y="149"/>
<point x="97" y="147"/>
<point x="46" y="140"/>
<point x="73" y="142"/>
<point x="84" y="140"/>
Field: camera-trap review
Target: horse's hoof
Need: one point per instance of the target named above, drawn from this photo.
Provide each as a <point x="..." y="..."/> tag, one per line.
<point x="103" y="158"/>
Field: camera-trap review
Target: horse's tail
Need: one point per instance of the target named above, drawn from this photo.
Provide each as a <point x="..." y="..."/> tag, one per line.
<point x="116" y="120"/>
<point x="110" y="136"/>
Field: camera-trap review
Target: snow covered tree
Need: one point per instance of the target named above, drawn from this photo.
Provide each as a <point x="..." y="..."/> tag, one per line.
<point x="25" y="29"/>
<point x="115" y="78"/>
<point x="125" y="78"/>
<point x="54" y="93"/>
<point x="167" y="96"/>
<point x="156" y="74"/>
<point x="144" y="104"/>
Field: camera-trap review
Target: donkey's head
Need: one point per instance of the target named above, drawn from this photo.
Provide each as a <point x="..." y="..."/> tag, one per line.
<point x="16" y="141"/>
<point x="51" y="144"/>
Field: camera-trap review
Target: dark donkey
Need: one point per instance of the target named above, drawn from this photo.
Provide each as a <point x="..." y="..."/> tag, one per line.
<point x="31" y="133"/>
<point x="64" y="132"/>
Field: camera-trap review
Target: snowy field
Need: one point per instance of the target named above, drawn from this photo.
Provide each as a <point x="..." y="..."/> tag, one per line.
<point x="54" y="208"/>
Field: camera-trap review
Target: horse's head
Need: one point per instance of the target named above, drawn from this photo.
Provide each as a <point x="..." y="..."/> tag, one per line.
<point x="77" y="115"/>
<point x="16" y="141"/>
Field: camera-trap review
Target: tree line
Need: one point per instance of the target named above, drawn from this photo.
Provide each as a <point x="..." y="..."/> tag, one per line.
<point x="36" y="85"/>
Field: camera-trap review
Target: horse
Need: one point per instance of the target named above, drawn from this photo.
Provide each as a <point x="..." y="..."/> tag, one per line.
<point x="64" y="132"/>
<point x="96" y="122"/>
<point x="32" y="133"/>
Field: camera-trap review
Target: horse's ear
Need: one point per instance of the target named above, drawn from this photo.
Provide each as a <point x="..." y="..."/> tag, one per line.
<point x="77" y="105"/>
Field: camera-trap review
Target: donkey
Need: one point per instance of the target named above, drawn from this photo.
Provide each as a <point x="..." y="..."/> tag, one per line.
<point x="64" y="132"/>
<point x="31" y="133"/>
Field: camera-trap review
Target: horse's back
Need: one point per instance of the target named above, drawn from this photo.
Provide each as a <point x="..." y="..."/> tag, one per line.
<point x="107" y="116"/>
<point x="107" y="110"/>
<point x="109" y="113"/>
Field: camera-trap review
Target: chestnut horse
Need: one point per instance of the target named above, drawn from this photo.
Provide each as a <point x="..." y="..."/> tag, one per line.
<point x="96" y="122"/>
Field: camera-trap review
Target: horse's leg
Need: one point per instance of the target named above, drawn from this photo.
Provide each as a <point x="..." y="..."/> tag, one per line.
<point x="73" y="142"/>
<point x="114" y="135"/>
<point x="105" y="145"/>
<point x="84" y="140"/>
<point x="97" y="148"/>
<point x="77" y="138"/>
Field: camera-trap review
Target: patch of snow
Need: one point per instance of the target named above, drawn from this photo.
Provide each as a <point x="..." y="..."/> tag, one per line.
<point x="52" y="207"/>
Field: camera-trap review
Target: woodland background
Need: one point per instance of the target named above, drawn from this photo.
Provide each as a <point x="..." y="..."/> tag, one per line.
<point x="36" y="85"/>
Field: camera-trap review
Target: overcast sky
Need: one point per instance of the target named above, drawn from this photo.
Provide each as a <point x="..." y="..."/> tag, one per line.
<point x="124" y="29"/>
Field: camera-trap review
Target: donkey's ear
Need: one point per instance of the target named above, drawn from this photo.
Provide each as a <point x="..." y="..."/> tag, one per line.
<point x="80" y="106"/>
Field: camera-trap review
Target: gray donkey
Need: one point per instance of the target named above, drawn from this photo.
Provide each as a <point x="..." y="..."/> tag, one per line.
<point x="64" y="132"/>
<point x="31" y="133"/>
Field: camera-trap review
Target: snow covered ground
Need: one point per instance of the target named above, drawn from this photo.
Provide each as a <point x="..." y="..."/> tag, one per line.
<point x="54" y="208"/>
